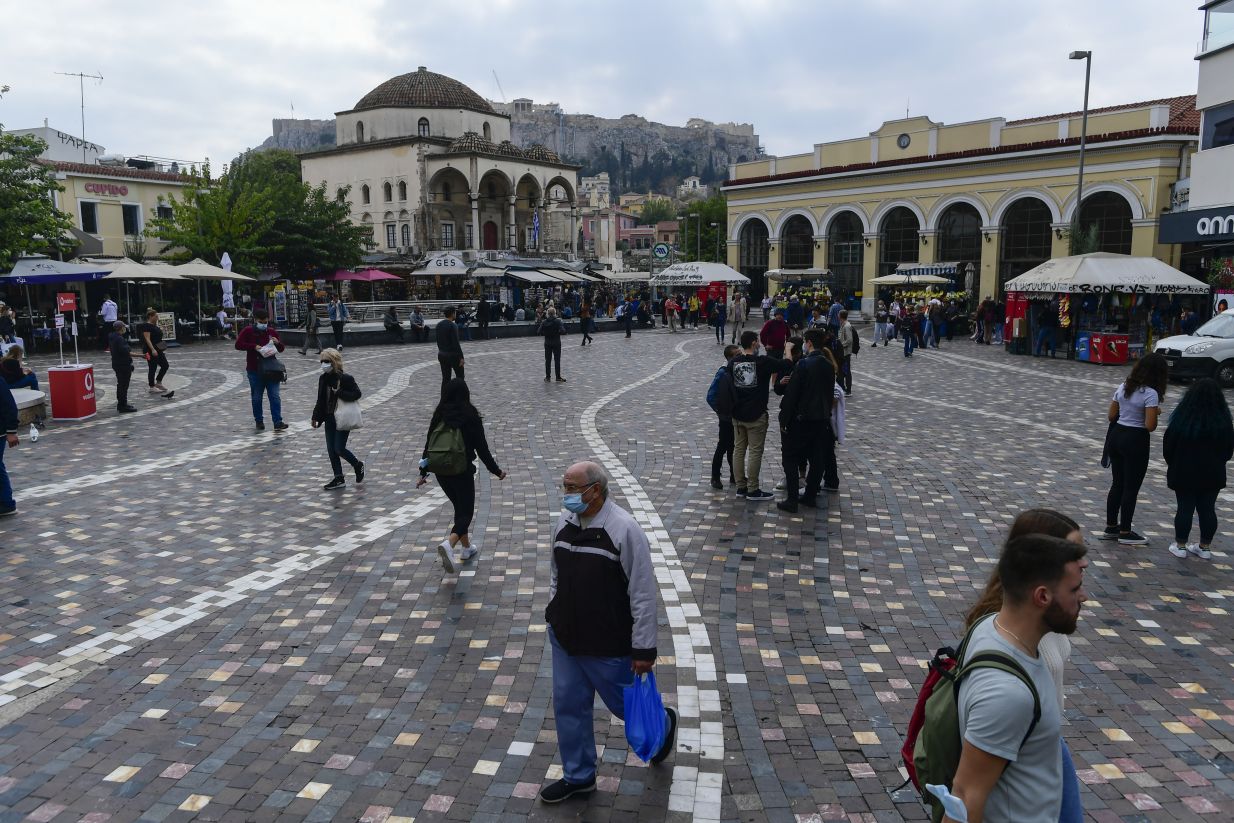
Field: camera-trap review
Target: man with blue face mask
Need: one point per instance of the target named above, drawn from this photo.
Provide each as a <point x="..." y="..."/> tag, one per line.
<point x="602" y="622"/>
<point x="251" y="340"/>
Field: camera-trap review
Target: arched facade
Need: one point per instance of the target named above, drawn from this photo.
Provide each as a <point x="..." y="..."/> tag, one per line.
<point x="753" y="253"/>
<point x="846" y="249"/>
<point x="740" y="223"/>
<point x="957" y="238"/>
<point x="1110" y="214"/>
<point x="796" y="242"/>
<point x="1127" y="193"/>
<point x="899" y="231"/>
<point x="1024" y="235"/>
<point x="402" y="190"/>
<point x="942" y="206"/>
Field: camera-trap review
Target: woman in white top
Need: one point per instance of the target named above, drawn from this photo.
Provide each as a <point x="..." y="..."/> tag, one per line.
<point x="1054" y="648"/>
<point x="1132" y="414"/>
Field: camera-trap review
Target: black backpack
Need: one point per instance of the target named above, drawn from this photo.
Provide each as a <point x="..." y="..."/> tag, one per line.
<point x="856" y="338"/>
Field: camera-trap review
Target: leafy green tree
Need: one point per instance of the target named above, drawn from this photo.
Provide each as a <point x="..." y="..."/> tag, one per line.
<point x="29" y="220"/>
<point x="1082" y="239"/>
<point x="705" y="245"/>
<point x="655" y="210"/>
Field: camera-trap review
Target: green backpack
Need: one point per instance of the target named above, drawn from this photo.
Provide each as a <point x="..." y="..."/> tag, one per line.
<point x="933" y="737"/>
<point x="447" y="452"/>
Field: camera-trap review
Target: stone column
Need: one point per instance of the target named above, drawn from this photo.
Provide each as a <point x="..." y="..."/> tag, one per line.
<point x="773" y="262"/>
<point x="733" y="250"/>
<point x="475" y="220"/>
<point x="929" y="249"/>
<point x="540" y="204"/>
<point x="991" y="237"/>
<point x="573" y="246"/>
<point x="869" y="270"/>
<point x="1144" y="237"/>
<point x="511" y="225"/>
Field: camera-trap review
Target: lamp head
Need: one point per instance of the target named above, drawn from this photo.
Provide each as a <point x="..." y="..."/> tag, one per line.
<point x="1080" y="55"/>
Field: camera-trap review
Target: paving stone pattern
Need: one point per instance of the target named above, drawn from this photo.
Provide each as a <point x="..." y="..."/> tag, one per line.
<point x="191" y="629"/>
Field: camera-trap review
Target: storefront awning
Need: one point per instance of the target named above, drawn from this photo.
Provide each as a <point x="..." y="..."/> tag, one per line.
<point x="447" y="265"/>
<point x="1105" y="273"/>
<point x="526" y="275"/>
<point x="697" y="274"/>
<point x="936" y="269"/>
<point x="35" y="270"/>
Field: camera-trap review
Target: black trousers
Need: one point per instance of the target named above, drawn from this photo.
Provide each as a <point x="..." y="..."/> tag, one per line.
<point x="1129" y="463"/>
<point x="1203" y="503"/>
<point x="157" y="367"/>
<point x="552" y="357"/>
<point x="447" y="367"/>
<point x="724" y="448"/>
<point x="483" y="329"/>
<point x="813" y="442"/>
<point x="460" y="490"/>
<point x="338" y="325"/>
<point x="124" y="374"/>
<point x="846" y="374"/>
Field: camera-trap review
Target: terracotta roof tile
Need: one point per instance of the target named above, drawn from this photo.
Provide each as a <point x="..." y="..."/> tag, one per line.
<point x="1182" y="109"/>
<point x="114" y="171"/>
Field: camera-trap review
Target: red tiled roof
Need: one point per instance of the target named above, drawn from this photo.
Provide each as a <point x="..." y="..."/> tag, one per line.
<point x="1182" y="112"/>
<point x="114" y="171"/>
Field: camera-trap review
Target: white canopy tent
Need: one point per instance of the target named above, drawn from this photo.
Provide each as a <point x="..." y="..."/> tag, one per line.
<point x="1105" y="273"/>
<point x="697" y="274"/>
<point x="898" y="279"/>
<point x="445" y="264"/>
<point x="797" y="274"/>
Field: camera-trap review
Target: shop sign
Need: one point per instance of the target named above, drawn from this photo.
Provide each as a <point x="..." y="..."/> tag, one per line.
<point x="107" y="189"/>
<point x="1197" y="225"/>
<point x="660" y="251"/>
<point x="66" y="301"/>
<point x="59" y="321"/>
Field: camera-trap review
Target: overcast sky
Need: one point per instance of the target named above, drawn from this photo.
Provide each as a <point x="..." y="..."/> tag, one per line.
<point x="190" y="81"/>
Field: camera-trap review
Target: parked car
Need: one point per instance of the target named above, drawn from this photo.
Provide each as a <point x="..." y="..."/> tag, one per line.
<point x="1207" y="353"/>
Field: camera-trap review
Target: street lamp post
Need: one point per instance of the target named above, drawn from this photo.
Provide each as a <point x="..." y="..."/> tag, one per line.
<point x="716" y="231"/>
<point x="1087" y="57"/>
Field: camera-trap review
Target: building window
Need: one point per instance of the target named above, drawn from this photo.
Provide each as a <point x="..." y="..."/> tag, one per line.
<point x="90" y="217"/>
<point x="447" y="194"/>
<point x="752" y="258"/>
<point x="469" y="231"/>
<point x="1111" y="214"/>
<point x="364" y="194"/>
<point x="387" y="191"/>
<point x="900" y="241"/>
<point x="492" y="190"/>
<point x="402" y="190"/>
<point x="390" y="235"/>
<point x="959" y="238"/>
<point x="488" y="132"/>
<point x="132" y="219"/>
<point x="1218" y="127"/>
<point x="359" y="132"/>
<point x="846" y="251"/>
<point x="447" y="235"/>
<point x="797" y="244"/>
<point x="341" y="196"/>
<point x="1218" y="25"/>
<point x="406" y="229"/>
<point x="1025" y="238"/>
<point x="422" y="127"/>
<point x="163" y="212"/>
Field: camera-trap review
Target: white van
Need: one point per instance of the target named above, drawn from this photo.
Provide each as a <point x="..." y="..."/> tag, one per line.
<point x="1207" y="353"/>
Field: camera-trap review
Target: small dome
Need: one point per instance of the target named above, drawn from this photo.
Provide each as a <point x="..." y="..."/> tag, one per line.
<point x="423" y="89"/>
<point x="538" y="152"/>
<point x="472" y="142"/>
<point x="508" y="149"/>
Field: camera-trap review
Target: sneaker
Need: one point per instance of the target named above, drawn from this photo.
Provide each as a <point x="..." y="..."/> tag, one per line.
<point x="780" y="486"/>
<point x="1132" y="539"/>
<point x="789" y="506"/>
<point x="127" y="409"/>
<point x="470" y="553"/>
<point x="1199" y="551"/>
<point x="336" y="483"/>
<point x="760" y="496"/>
<point x="155" y="390"/>
<point x="8" y="511"/>
<point x="446" y="555"/>
<point x="280" y="426"/>
<point x="848" y="394"/>
<point x="561" y="380"/>
<point x="360" y="473"/>
<point x="1176" y="551"/>
<point x="261" y="427"/>
<point x="716" y="484"/>
<point x="160" y="387"/>
<point x="1109" y="533"/>
<point x="562" y="790"/>
<point x="548" y="379"/>
<point x="740" y="492"/>
<point x="670" y="739"/>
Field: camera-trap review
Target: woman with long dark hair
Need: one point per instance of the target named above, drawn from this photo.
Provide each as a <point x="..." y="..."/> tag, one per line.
<point x="455" y="420"/>
<point x="1054" y="649"/>
<point x="1199" y="441"/>
<point x="1133" y="414"/>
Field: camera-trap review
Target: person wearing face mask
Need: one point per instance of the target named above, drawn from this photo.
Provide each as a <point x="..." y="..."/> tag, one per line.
<point x="602" y="617"/>
<point x="250" y="340"/>
<point x="335" y="385"/>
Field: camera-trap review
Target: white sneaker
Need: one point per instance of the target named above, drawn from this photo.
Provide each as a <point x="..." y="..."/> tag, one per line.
<point x="1199" y="551"/>
<point x="1176" y="551"/>
<point x="470" y="553"/>
<point x="780" y="486"/>
<point x="447" y="556"/>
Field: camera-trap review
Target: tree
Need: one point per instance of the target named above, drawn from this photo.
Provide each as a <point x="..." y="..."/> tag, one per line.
<point x="29" y="219"/>
<point x="1082" y="239"/>
<point x="655" y="210"/>
<point x="706" y="244"/>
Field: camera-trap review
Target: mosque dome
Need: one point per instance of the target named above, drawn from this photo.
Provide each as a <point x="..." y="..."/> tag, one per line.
<point x="423" y="89"/>
<point x="542" y="153"/>
<point x="472" y="142"/>
<point x="505" y="147"/>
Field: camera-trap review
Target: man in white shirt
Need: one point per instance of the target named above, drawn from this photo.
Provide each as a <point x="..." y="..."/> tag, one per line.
<point x="110" y="313"/>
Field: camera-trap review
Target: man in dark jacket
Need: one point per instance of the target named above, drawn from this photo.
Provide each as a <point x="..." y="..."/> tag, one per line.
<point x="449" y="351"/>
<point x="805" y="425"/>
<point x="719" y="397"/>
<point x="483" y="310"/>
<point x="750" y="375"/>
<point x="8" y="421"/>
<point x="121" y="364"/>
<point x="551" y="328"/>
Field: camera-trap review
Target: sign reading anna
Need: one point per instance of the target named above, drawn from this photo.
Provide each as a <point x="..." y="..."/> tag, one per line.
<point x="1197" y="225"/>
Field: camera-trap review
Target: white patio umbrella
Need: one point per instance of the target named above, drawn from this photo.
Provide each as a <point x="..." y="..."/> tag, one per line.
<point x="697" y="274"/>
<point x="199" y="270"/>
<point x="130" y="270"/>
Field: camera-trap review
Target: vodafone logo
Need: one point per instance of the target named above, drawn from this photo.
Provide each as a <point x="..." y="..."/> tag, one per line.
<point x="89" y="381"/>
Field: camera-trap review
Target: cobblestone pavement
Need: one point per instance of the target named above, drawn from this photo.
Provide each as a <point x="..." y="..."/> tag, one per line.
<point x="191" y="628"/>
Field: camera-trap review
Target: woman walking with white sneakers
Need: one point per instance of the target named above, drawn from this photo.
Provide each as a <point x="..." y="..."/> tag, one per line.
<point x="1198" y="443"/>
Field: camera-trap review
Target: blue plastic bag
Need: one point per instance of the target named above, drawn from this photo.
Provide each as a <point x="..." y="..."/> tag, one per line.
<point x="646" y="723"/>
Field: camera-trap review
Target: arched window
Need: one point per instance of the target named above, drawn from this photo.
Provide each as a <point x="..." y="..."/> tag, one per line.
<point x="1111" y="214"/>
<point x="422" y="127"/>
<point x="1025" y="238"/>
<point x="488" y="132"/>
<point x="402" y="190"/>
<point x="359" y="132"/>
<point x="364" y="194"/>
<point x="753" y="255"/>
<point x="959" y="238"/>
<point x="492" y="190"/>
<point x="846" y="251"/>
<point x="406" y="234"/>
<point x="446" y="193"/>
<point x="341" y="195"/>
<point x="899" y="240"/>
<point x="387" y="191"/>
<point x="797" y="243"/>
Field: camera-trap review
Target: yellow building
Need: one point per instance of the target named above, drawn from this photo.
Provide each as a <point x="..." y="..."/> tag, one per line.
<point x="997" y="194"/>
<point x="111" y="204"/>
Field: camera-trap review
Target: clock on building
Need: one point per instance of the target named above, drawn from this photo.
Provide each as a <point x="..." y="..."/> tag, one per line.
<point x="903" y="140"/>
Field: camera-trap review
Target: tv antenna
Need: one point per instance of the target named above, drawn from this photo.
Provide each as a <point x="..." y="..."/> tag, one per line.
<point x="81" y="83"/>
<point x="499" y="88"/>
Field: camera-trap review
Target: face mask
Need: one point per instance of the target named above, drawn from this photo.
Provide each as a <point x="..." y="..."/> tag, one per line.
<point x="327" y="367"/>
<point x="574" y="503"/>
<point x="262" y="326"/>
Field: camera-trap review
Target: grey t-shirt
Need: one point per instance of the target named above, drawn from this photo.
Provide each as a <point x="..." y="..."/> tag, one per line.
<point x="996" y="709"/>
<point x="1131" y="409"/>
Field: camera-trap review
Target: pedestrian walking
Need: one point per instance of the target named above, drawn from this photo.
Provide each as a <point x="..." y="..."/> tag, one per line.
<point x="334" y="386"/>
<point x="121" y="364"/>
<point x="626" y="314"/>
<point x="749" y="374"/>
<point x="894" y="312"/>
<point x="833" y="314"/>
<point x="483" y="311"/>
<point x="805" y="425"/>
<point x="260" y="341"/>
<point x="312" y="321"/>
<point x="907" y="327"/>
<point x="719" y="398"/>
<point x="671" y="308"/>
<point x="848" y="342"/>
<point x="1132" y="414"/>
<point x="551" y="329"/>
<point x="1010" y="768"/>
<point x="692" y="305"/>
<point x="339" y="315"/>
<point x="602" y="622"/>
<point x="9" y="422"/>
<point x="1199" y="442"/>
<point x="774" y="334"/>
<point x="449" y="350"/>
<point x="882" y="324"/>
<point x="110" y="313"/>
<point x="719" y="319"/>
<point x="455" y="438"/>
<point x="934" y="313"/>
<point x="154" y="350"/>
<point x="586" y="322"/>
<point x="737" y="317"/>
<point x="1054" y="649"/>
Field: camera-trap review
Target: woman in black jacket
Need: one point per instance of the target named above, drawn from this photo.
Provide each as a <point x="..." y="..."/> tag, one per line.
<point x="456" y="412"/>
<point x="551" y="328"/>
<point x="335" y="385"/>
<point x="1198" y="443"/>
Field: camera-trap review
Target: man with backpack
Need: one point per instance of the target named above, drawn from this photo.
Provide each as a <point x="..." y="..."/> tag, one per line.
<point x="719" y="397"/>
<point x="749" y="374"/>
<point x="852" y="344"/>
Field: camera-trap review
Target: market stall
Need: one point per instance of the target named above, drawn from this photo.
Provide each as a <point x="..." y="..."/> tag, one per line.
<point x="1100" y="307"/>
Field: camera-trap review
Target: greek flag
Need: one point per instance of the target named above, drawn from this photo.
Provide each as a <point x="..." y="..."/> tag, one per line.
<point x="535" y="227"/>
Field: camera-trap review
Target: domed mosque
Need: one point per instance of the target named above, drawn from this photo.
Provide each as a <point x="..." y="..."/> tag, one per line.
<point x="427" y="164"/>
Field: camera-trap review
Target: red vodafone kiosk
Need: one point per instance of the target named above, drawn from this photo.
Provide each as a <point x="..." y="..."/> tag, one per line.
<point x="71" y="385"/>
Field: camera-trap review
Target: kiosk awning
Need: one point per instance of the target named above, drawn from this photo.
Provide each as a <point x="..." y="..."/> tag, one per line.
<point x="1105" y="273"/>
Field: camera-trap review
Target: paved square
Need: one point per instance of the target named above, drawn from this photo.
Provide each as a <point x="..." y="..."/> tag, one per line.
<point x="192" y="628"/>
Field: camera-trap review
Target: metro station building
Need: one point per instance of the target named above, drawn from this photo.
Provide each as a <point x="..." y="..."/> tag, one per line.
<point x="997" y="194"/>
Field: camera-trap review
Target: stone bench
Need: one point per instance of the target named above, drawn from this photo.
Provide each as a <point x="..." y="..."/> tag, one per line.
<point x="31" y="405"/>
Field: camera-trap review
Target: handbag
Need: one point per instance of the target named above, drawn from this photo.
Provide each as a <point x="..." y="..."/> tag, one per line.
<point x="273" y="370"/>
<point x="347" y="416"/>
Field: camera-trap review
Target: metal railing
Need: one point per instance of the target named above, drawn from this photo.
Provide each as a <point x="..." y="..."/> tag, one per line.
<point x="372" y="312"/>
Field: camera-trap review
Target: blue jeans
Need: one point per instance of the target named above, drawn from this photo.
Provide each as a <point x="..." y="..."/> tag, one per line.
<point x="28" y="381"/>
<point x="257" y="384"/>
<point x="1071" y="811"/>
<point x="576" y="680"/>
<point x="1045" y="337"/>
<point x="910" y="343"/>
<point x="6" y="488"/>
<point x="336" y="448"/>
